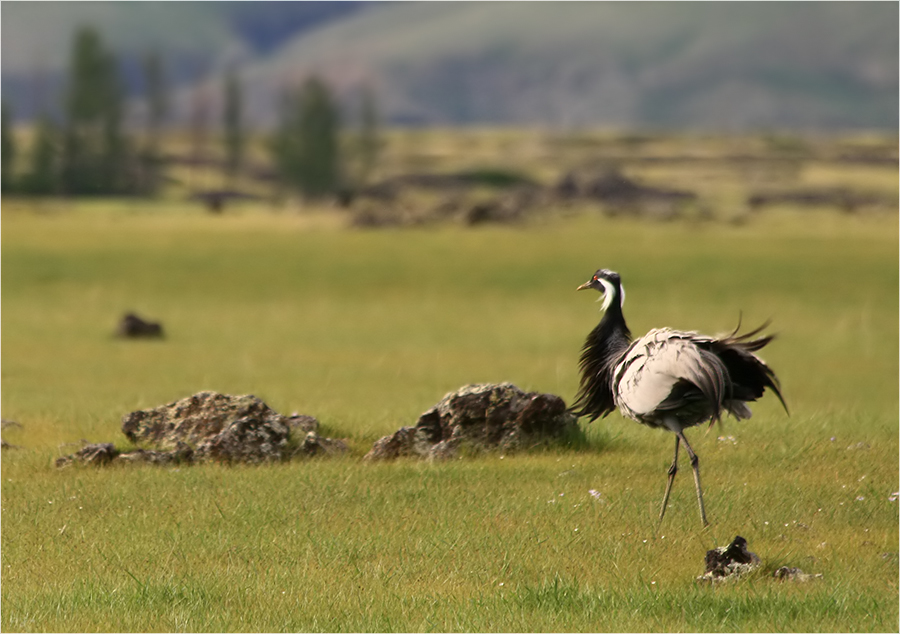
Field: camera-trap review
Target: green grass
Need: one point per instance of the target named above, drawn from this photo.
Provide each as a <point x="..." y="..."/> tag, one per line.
<point x="365" y="330"/>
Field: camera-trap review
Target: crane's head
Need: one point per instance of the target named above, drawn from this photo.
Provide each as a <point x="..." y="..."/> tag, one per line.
<point x="609" y="284"/>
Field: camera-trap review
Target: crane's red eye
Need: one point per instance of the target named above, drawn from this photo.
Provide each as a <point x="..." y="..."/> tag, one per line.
<point x="596" y="278"/>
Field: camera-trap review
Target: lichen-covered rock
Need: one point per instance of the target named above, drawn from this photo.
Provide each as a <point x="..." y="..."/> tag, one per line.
<point x="729" y="562"/>
<point x="480" y="417"/>
<point x="248" y="439"/>
<point x="198" y="418"/>
<point x="212" y="426"/>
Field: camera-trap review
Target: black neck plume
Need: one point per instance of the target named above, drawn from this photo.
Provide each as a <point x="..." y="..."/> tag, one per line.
<point x="602" y="350"/>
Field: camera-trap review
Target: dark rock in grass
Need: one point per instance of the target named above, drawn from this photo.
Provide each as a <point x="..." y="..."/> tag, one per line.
<point x="729" y="562"/>
<point x="786" y="573"/>
<point x="399" y="444"/>
<point x="132" y="326"/>
<point x="96" y="454"/>
<point x="183" y="454"/>
<point x="480" y="417"/>
<point x="315" y="445"/>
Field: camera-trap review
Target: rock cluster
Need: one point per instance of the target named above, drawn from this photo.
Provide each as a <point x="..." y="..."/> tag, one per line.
<point x="210" y="426"/>
<point x="480" y="417"/>
<point x="732" y="562"/>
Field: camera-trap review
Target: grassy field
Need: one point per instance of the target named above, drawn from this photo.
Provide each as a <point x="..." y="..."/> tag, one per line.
<point x="365" y="330"/>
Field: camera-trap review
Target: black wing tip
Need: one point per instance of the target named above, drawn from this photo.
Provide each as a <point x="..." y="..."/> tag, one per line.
<point x="777" y="389"/>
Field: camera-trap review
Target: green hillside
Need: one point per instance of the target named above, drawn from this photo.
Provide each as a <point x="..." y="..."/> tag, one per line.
<point x="709" y="65"/>
<point x="724" y="65"/>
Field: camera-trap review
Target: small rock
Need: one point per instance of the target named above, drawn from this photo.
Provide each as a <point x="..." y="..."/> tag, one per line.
<point x="786" y="573"/>
<point x="96" y="454"/>
<point x="315" y="445"/>
<point x="183" y="454"/>
<point x="133" y="326"/>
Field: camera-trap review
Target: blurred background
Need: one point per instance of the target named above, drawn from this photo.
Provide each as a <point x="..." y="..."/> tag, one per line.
<point x="124" y="97"/>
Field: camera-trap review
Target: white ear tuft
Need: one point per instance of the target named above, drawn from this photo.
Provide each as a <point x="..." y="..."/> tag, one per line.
<point x="608" y="290"/>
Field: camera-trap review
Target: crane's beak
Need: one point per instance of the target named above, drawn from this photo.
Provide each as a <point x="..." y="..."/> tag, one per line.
<point x="584" y="286"/>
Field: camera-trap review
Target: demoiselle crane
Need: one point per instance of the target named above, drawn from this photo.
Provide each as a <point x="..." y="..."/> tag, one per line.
<point x="668" y="378"/>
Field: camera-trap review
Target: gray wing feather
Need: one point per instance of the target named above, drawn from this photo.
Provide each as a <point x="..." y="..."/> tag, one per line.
<point x="655" y="364"/>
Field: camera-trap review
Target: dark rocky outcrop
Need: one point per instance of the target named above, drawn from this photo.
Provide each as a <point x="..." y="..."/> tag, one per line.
<point x="480" y="417"/>
<point x="844" y="199"/>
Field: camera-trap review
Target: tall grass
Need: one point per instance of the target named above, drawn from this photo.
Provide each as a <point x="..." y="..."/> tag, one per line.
<point x="365" y="330"/>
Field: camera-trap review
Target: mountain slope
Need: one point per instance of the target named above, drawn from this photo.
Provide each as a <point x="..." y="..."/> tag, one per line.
<point x="701" y="65"/>
<point x="668" y="64"/>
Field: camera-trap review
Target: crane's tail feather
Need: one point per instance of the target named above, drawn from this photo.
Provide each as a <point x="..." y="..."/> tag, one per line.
<point x="748" y="343"/>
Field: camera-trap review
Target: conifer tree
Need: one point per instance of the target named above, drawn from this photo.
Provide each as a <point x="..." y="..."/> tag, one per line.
<point x="232" y="124"/>
<point x="94" y="149"/>
<point x="7" y="150"/>
<point x="157" y="108"/>
<point x="306" y="147"/>
<point x="368" y="143"/>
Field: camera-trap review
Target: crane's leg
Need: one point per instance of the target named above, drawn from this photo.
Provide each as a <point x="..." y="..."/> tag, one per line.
<point x="672" y="471"/>
<point x="695" y="465"/>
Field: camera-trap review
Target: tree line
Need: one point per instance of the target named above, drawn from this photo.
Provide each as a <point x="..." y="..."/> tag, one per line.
<point x="89" y="151"/>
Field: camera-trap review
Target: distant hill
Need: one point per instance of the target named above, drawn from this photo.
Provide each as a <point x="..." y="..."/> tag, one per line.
<point x="196" y="38"/>
<point x="685" y="65"/>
